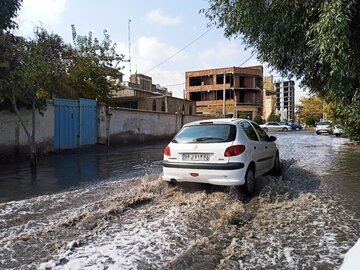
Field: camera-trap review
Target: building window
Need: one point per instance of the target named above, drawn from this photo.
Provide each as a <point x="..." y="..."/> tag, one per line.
<point x="195" y="81"/>
<point x="154" y="105"/>
<point x="190" y="110"/>
<point x="242" y="81"/>
<point x="162" y="106"/>
<point x="196" y="96"/>
<point x="220" y="79"/>
<point x="208" y="80"/>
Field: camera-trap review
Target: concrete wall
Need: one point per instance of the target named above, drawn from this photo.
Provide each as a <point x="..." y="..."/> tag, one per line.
<point x="13" y="139"/>
<point x="128" y="125"/>
<point x="115" y="126"/>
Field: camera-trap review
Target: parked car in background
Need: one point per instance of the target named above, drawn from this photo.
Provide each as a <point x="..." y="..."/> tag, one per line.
<point x="323" y="127"/>
<point x="293" y="126"/>
<point x="275" y="126"/>
<point x="337" y="130"/>
<point x="228" y="152"/>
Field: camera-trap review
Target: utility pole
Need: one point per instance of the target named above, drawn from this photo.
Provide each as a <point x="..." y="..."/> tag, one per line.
<point x="282" y="99"/>
<point x="224" y="96"/>
<point x="129" y="21"/>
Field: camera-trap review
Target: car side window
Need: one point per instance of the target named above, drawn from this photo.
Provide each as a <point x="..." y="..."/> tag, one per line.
<point x="249" y="130"/>
<point x="262" y="134"/>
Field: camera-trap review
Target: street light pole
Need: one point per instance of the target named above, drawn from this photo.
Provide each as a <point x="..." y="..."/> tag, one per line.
<point x="224" y="95"/>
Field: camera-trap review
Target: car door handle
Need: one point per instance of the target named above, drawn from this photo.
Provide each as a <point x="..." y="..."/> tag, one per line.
<point x="254" y="147"/>
<point x="265" y="147"/>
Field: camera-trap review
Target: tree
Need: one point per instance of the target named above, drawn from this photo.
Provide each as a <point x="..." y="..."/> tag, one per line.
<point x="95" y="67"/>
<point x="8" y="10"/>
<point x="315" y="41"/>
<point x="310" y="121"/>
<point x="28" y="71"/>
<point x="273" y="118"/>
<point x="258" y="119"/>
<point x="312" y="107"/>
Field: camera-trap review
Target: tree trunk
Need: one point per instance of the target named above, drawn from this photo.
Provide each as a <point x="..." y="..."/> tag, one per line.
<point x="33" y="156"/>
<point x="31" y="138"/>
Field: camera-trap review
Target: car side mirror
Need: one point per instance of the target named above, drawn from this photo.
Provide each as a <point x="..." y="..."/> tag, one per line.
<point x="272" y="138"/>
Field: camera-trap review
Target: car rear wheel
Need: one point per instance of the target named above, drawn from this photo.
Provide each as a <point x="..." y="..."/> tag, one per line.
<point x="249" y="186"/>
<point x="284" y="129"/>
<point x="276" y="170"/>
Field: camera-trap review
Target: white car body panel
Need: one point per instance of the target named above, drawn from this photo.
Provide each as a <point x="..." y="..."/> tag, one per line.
<point x="258" y="152"/>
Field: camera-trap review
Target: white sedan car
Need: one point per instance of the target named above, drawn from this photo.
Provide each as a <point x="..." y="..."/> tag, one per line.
<point x="228" y="152"/>
<point x="275" y="126"/>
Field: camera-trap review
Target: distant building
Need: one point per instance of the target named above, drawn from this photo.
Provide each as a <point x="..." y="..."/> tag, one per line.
<point x="285" y="100"/>
<point x="141" y="94"/>
<point x="241" y="86"/>
<point x="269" y="97"/>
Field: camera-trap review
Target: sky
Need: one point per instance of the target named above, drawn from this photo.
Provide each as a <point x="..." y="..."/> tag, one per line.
<point x="167" y="38"/>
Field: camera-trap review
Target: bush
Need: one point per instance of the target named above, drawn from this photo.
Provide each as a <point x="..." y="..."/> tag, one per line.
<point x="310" y="121"/>
<point x="258" y="120"/>
<point x="273" y="118"/>
<point x="243" y="116"/>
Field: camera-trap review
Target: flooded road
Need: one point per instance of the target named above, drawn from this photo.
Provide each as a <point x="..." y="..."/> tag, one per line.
<point x="305" y="219"/>
<point x="60" y="172"/>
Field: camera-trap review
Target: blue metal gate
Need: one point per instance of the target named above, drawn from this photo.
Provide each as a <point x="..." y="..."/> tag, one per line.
<point x="88" y="121"/>
<point x="66" y="123"/>
<point x="75" y="123"/>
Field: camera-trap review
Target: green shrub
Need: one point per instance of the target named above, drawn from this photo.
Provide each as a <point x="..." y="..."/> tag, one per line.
<point x="310" y="121"/>
<point x="273" y="118"/>
<point x="258" y="120"/>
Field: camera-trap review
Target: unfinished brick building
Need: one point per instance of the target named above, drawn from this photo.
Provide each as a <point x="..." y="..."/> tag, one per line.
<point x="242" y="86"/>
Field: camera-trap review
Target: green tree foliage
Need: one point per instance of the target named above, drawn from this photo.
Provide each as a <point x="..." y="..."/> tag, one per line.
<point x="315" y="41"/>
<point x="28" y="71"/>
<point x="34" y="70"/>
<point x="273" y="118"/>
<point x="95" y="67"/>
<point x="312" y="107"/>
<point x="258" y="119"/>
<point x="8" y="10"/>
<point x="310" y="121"/>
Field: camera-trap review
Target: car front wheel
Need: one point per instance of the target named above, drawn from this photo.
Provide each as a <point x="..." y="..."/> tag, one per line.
<point x="284" y="129"/>
<point x="265" y="129"/>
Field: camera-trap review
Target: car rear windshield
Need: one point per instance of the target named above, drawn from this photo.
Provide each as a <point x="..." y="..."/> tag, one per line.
<point x="323" y="123"/>
<point x="206" y="134"/>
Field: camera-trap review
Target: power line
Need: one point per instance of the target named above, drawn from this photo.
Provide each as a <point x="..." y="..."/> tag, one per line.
<point x="174" y="84"/>
<point x="188" y="45"/>
<point x="247" y="59"/>
<point x="239" y="66"/>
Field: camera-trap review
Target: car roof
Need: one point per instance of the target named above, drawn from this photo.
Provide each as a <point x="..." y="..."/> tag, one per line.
<point x="216" y="121"/>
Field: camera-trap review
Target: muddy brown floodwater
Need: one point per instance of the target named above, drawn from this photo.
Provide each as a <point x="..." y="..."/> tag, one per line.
<point x="305" y="219"/>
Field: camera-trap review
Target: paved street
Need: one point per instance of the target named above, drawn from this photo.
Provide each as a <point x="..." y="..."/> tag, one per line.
<point x="307" y="218"/>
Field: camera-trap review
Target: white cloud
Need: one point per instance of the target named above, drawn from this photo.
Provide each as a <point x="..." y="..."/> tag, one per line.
<point x="151" y="48"/>
<point x="221" y="51"/>
<point x="145" y="55"/>
<point x="157" y="16"/>
<point x="46" y="13"/>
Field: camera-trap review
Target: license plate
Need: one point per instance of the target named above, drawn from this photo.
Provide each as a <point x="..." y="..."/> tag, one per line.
<point x="196" y="157"/>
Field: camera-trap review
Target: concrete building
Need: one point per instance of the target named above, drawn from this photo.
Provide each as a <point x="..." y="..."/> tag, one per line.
<point x="230" y="92"/>
<point x="285" y="100"/>
<point x="269" y="97"/>
<point x="141" y="94"/>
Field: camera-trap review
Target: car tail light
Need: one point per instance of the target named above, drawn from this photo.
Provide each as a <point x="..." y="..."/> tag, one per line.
<point x="234" y="150"/>
<point x="167" y="151"/>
